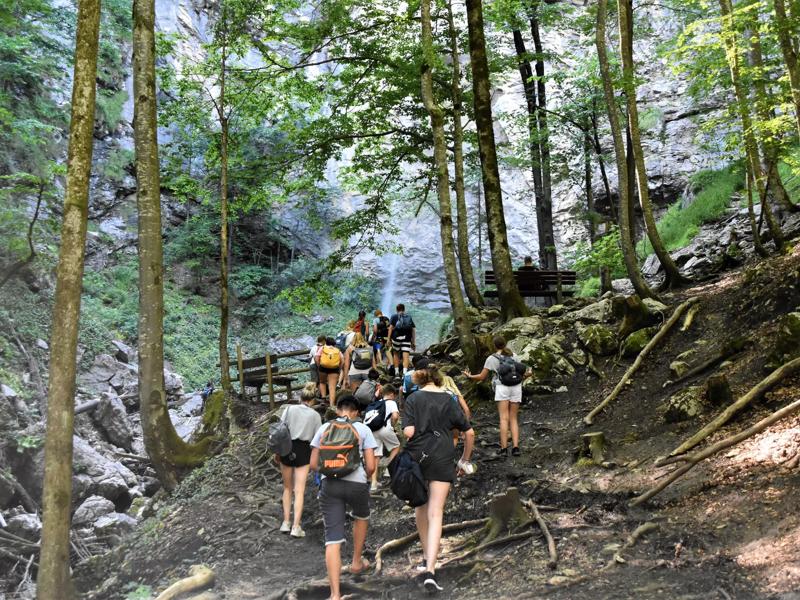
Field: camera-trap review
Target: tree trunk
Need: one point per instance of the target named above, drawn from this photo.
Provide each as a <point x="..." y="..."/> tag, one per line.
<point x="544" y="213"/>
<point x="601" y="162"/>
<point x="729" y="38"/>
<point x="763" y="110"/>
<point x="628" y="250"/>
<point x="751" y="214"/>
<point x="166" y="449"/>
<point x="461" y="323"/>
<point x="225" y="378"/>
<point x="625" y="9"/>
<point x="462" y="223"/>
<point x="783" y="26"/>
<point x="54" y="566"/>
<point x="587" y="186"/>
<point x="511" y="303"/>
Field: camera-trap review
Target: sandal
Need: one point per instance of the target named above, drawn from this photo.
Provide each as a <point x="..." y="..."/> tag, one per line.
<point x="365" y="565"/>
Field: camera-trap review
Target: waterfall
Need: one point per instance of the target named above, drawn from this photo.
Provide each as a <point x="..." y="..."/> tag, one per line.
<point x="387" y="294"/>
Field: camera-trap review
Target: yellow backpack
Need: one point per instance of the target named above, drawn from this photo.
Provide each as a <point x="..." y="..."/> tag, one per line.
<point x="330" y="357"/>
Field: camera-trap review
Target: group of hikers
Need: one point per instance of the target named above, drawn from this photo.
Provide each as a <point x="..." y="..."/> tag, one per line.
<point x="373" y="383"/>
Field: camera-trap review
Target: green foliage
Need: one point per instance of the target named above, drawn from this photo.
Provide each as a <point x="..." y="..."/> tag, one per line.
<point x="28" y="442"/>
<point x="139" y="592"/>
<point x="109" y="107"/>
<point x="589" y="288"/>
<point x="605" y="252"/>
<point x="117" y="164"/>
<point x="713" y="191"/>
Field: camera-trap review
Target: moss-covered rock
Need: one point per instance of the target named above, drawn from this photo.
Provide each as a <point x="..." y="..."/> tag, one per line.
<point x="636" y="341"/>
<point x="598" y="339"/>
<point x="544" y="355"/>
<point x="786" y="344"/>
<point x="678" y="368"/>
<point x="597" y="312"/>
<point x="685" y="405"/>
<point x="522" y="326"/>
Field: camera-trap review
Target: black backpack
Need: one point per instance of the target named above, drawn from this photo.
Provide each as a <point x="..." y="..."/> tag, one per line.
<point x="510" y="372"/>
<point x="375" y="414"/>
<point x="383" y="327"/>
<point x="362" y="358"/>
<point x="407" y="482"/>
<point x="341" y="341"/>
<point x="404" y="323"/>
<point x="279" y="440"/>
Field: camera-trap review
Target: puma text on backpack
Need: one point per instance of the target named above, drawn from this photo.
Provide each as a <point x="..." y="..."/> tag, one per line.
<point x="383" y="327"/>
<point x="341" y="340"/>
<point x="330" y="357"/>
<point x="375" y="414"/>
<point x="279" y="440"/>
<point x="365" y="394"/>
<point x="339" y="452"/>
<point x="404" y="322"/>
<point x="407" y="482"/>
<point x="510" y="372"/>
<point x="362" y="358"/>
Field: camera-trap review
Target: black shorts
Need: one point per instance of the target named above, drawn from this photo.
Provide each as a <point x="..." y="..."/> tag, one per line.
<point x="301" y="450"/>
<point x="335" y="496"/>
<point x="327" y="371"/>
<point x="439" y="468"/>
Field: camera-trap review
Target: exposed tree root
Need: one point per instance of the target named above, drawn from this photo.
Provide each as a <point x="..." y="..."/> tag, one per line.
<point x="200" y="577"/>
<point x="676" y="315"/>
<point x="639" y="532"/>
<point x="695" y="458"/>
<point x="731" y="348"/>
<point x="551" y="543"/>
<point x="687" y="322"/>
<point x="495" y="542"/>
<point x="755" y="393"/>
<point x="397" y="543"/>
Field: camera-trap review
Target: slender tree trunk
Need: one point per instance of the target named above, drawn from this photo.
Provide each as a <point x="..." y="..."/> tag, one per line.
<point x="601" y="162"/>
<point x="751" y="214"/>
<point x="729" y="39"/>
<point x="544" y="213"/>
<point x="628" y="251"/>
<point x="784" y="27"/>
<point x="225" y="378"/>
<point x="511" y="303"/>
<point x="54" y="567"/>
<point x="166" y="449"/>
<point x="762" y="105"/>
<point x="673" y="276"/>
<point x="462" y="224"/>
<point x="587" y="186"/>
<point x="461" y="321"/>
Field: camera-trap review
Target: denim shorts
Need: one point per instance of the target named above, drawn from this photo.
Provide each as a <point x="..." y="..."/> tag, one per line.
<point x="335" y="496"/>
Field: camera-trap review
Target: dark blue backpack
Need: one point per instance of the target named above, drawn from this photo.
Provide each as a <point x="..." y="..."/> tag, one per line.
<point x="407" y="482"/>
<point x="375" y="414"/>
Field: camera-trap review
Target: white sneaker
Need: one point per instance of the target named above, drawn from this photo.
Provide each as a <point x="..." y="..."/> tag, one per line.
<point x="298" y="532"/>
<point x="374" y="487"/>
<point x="286" y="527"/>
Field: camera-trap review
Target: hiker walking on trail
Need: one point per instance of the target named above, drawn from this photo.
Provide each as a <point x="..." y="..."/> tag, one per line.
<point x="303" y="422"/>
<point x="508" y="374"/>
<point x="329" y="364"/>
<point x="313" y="367"/>
<point x="380" y="337"/>
<point x="380" y="416"/>
<point x="343" y="451"/>
<point x="409" y="387"/>
<point x="359" y="358"/>
<point x="403" y="337"/>
<point x="361" y="323"/>
<point x="429" y="416"/>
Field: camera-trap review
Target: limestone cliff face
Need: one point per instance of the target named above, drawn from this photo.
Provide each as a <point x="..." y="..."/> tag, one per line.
<point x="675" y="148"/>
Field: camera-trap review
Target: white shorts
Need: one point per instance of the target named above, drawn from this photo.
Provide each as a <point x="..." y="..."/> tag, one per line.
<point x="387" y="440"/>
<point x="512" y="393"/>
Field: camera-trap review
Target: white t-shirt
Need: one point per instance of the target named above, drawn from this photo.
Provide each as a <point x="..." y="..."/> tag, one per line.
<point x="303" y="421"/>
<point x="312" y="354"/>
<point x="391" y="408"/>
<point x="367" y="441"/>
<point x="493" y="364"/>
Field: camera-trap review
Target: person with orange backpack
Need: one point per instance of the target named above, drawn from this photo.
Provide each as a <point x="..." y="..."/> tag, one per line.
<point x="343" y="452"/>
<point x="329" y="363"/>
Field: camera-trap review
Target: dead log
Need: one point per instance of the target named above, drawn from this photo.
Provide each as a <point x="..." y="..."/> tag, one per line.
<point x="22" y="494"/>
<point x="589" y="419"/>
<point x="594" y="446"/>
<point x="505" y="513"/>
<point x="687" y="322"/>
<point x="636" y="315"/>
<point x="695" y="458"/>
<point x="551" y="543"/>
<point x="755" y="393"/>
<point x="397" y="543"/>
<point x="87" y="406"/>
<point x="200" y="577"/>
<point x="718" y="390"/>
<point x="728" y="350"/>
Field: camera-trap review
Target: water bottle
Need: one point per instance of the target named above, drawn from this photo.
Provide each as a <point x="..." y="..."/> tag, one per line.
<point x="467" y="467"/>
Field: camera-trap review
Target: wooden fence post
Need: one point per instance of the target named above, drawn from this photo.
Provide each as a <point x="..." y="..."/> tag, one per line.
<point x="559" y="294"/>
<point x="241" y="370"/>
<point x="270" y="389"/>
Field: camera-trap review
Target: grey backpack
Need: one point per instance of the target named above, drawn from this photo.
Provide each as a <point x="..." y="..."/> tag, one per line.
<point x="365" y="394"/>
<point x="279" y="439"/>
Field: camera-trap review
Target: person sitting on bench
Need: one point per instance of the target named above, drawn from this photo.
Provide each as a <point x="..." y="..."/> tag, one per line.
<point x="528" y="265"/>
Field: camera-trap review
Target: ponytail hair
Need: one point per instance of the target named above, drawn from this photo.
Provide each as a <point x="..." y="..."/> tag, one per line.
<point x="430" y="374"/>
<point x="500" y="345"/>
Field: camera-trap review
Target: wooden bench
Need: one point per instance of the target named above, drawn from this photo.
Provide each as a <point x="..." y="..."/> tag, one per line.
<point x="537" y="284"/>
<point x="263" y="370"/>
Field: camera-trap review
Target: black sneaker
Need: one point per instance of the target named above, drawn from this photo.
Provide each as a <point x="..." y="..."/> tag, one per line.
<point x="502" y="452"/>
<point x="391" y="371"/>
<point x="429" y="583"/>
<point x="515" y="451"/>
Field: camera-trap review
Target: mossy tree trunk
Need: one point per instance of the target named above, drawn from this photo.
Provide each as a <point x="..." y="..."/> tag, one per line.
<point x="511" y="302"/>
<point x="462" y="222"/>
<point x="729" y="39"/>
<point x="624" y="214"/>
<point x="786" y="29"/>
<point x="167" y="451"/>
<point x="54" y="566"/>
<point x="461" y="321"/>
<point x="625" y="11"/>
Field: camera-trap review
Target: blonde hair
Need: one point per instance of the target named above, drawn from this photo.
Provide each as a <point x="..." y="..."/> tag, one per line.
<point x="359" y="341"/>
<point x="309" y="392"/>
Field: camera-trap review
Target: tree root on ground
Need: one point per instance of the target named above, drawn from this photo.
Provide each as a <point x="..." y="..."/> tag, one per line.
<point x="755" y="393"/>
<point x="551" y="544"/>
<point x="665" y="329"/>
<point x="200" y="577"/>
<point x="695" y="458"/>
<point x="495" y="542"/>
<point x="687" y="322"/>
<point x="397" y="543"/>
<point x="728" y="350"/>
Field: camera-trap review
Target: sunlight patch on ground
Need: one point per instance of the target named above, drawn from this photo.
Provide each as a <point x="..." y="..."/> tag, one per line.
<point x="777" y="557"/>
<point x="771" y="446"/>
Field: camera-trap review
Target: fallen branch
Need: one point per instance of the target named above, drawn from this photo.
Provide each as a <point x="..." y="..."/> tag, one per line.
<point x="514" y="537"/>
<point x="200" y="577"/>
<point x="639" y="532"/>
<point x="551" y="544"/>
<point x="676" y="315"/>
<point x="727" y="351"/>
<point x="755" y="393"/>
<point x="695" y="458"/>
<point x="411" y="537"/>
<point x="24" y="497"/>
<point x="687" y="322"/>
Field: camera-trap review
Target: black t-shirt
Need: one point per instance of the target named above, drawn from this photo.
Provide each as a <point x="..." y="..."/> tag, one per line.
<point x="399" y="332"/>
<point x="429" y="411"/>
